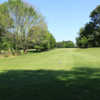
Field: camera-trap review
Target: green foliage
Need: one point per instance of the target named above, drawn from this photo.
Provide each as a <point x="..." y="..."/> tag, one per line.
<point x="82" y="42"/>
<point x="22" y="27"/>
<point x="69" y="44"/>
<point x="42" y="39"/>
<point x="52" y="41"/>
<point x="65" y="44"/>
<point x="89" y="36"/>
<point x="60" y="45"/>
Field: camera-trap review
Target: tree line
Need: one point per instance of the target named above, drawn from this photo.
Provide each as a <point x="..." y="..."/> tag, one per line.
<point x="65" y="44"/>
<point x="22" y="27"/>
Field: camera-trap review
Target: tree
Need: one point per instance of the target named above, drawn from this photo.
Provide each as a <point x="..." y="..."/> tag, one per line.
<point x="52" y="41"/>
<point x="24" y="18"/>
<point x="41" y="38"/>
<point x="91" y="32"/>
<point x="5" y="24"/>
<point x="82" y="42"/>
<point x="25" y="28"/>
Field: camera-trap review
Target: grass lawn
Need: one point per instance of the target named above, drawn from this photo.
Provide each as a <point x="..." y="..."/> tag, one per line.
<point x="59" y="74"/>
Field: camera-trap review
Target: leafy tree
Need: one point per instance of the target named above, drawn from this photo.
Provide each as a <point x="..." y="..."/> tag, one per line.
<point x="52" y="41"/>
<point x="82" y="42"/>
<point x="41" y="38"/>
<point x="24" y="17"/>
<point x="5" y="24"/>
<point x="22" y="27"/>
<point x="91" y="32"/>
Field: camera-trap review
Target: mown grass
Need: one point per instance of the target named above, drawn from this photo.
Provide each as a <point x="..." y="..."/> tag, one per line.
<point x="60" y="74"/>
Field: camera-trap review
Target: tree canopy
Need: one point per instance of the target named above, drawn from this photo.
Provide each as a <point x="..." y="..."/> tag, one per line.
<point x="23" y="27"/>
<point x="89" y="36"/>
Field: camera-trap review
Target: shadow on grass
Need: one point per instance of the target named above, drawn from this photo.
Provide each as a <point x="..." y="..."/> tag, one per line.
<point x="77" y="84"/>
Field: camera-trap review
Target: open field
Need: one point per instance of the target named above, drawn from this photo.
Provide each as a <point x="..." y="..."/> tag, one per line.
<point x="59" y="74"/>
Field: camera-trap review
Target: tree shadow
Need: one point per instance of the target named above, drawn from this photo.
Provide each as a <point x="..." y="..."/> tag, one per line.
<point x="77" y="84"/>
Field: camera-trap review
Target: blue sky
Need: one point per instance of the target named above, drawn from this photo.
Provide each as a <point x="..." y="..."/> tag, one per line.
<point x="65" y="17"/>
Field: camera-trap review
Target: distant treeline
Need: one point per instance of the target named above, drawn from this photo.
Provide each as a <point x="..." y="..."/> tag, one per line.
<point x="65" y="44"/>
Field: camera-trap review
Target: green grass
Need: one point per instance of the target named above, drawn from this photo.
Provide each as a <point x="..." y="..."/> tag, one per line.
<point x="60" y="74"/>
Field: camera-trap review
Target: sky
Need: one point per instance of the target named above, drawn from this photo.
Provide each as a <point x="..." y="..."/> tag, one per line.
<point x="64" y="17"/>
